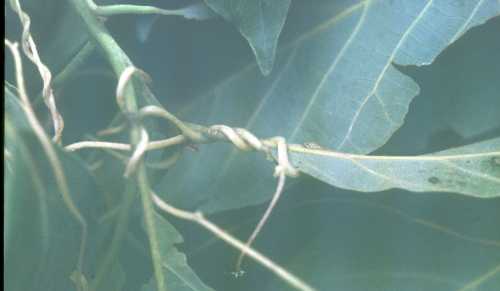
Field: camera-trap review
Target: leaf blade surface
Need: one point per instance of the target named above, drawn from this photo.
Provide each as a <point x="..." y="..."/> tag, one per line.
<point x="334" y="84"/>
<point x="259" y="21"/>
<point x="470" y="170"/>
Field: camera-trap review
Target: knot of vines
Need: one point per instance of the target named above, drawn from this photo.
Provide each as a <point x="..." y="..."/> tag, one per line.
<point x="239" y="137"/>
<point x="246" y="141"/>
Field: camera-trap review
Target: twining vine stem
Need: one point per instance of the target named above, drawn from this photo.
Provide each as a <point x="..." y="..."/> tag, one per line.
<point x="48" y="147"/>
<point x="31" y="51"/>
<point x="119" y="61"/>
<point x="241" y="138"/>
<point x="110" y="10"/>
<point x="128" y="102"/>
<point x="200" y="219"/>
<point x="126" y="96"/>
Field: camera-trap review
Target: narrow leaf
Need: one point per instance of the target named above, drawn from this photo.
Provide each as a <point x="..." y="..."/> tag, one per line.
<point x="471" y="170"/>
<point x="259" y="21"/>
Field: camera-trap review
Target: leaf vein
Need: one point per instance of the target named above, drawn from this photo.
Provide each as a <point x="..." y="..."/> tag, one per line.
<point x="329" y="71"/>
<point x="382" y="73"/>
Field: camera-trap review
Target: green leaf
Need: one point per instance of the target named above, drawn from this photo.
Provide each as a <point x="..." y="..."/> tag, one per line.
<point x="471" y="170"/>
<point x="42" y="237"/>
<point x="336" y="239"/>
<point x="115" y="279"/>
<point x="336" y="76"/>
<point x="178" y="275"/>
<point x="390" y="241"/>
<point x="460" y="88"/>
<point x="475" y="101"/>
<point x="459" y="95"/>
<point x="334" y="84"/>
<point x="259" y="21"/>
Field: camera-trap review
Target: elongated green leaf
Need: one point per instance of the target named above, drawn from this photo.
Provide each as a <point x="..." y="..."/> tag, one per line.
<point x="259" y="21"/>
<point x="472" y="170"/>
<point x="42" y="237"/>
<point x="334" y="84"/>
<point x="178" y="275"/>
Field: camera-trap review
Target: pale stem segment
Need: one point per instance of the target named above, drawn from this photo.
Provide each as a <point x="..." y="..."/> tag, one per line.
<point x="31" y="51"/>
<point x="198" y="217"/>
<point x="49" y="150"/>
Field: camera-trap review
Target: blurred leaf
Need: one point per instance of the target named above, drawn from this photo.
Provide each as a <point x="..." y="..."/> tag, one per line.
<point x="115" y="279"/>
<point x="337" y="239"/>
<point x="13" y="108"/>
<point x="458" y="98"/>
<point x="334" y="84"/>
<point x="42" y="238"/>
<point x="259" y="21"/>
<point x="475" y="114"/>
<point x="473" y="106"/>
<point x="178" y="275"/>
<point x="471" y="170"/>
<point x="66" y="40"/>
<point x="197" y="11"/>
<point x="391" y="241"/>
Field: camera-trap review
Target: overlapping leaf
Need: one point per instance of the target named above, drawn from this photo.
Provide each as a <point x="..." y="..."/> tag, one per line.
<point x="392" y="241"/>
<point x="178" y="275"/>
<point x="259" y="21"/>
<point x="43" y="238"/>
<point x="336" y="239"/>
<point x="334" y="84"/>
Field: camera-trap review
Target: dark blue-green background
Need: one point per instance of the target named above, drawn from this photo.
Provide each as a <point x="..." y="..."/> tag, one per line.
<point x="335" y="239"/>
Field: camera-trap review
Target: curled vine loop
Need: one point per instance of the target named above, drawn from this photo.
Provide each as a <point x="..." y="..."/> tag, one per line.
<point x="284" y="165"/>
<point x="239" y="137"/>
<point x="245" y="140"/>
<point x="139" y="151"/>
<point x="124" y="79"/>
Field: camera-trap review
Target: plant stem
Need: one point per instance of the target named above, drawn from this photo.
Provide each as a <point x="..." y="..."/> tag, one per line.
<point x="197" y="217"/>
<point x="48" y="148"/>
<point x="152" y="145"/>
<point x="111" y="10"/>
<point x="119" y="61"/>
<point x="118" y="236"/>
<point x="150" y="226"/>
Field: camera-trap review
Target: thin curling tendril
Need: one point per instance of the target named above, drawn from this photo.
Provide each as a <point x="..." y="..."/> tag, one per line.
<point x="245" y="140"/>
<point x="31" y="51"/>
